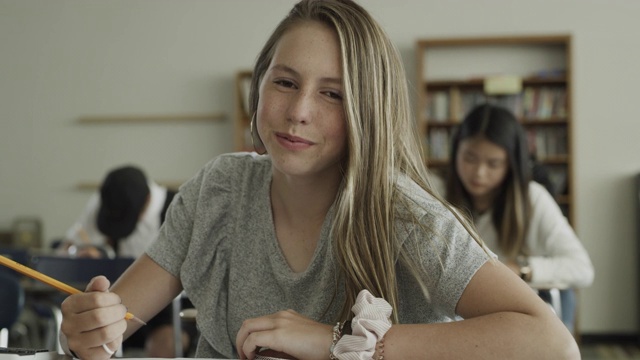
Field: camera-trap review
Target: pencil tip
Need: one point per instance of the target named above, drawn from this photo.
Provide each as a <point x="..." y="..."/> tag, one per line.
<point x="132" y="317"/>
<point x="136" y="319"/>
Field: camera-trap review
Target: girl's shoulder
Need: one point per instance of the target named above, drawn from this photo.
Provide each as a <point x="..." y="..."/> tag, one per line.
<point x="229" y="167"/>
<point x="539" y="194"/>
<point x="228" y="174"/>
<point x="416" y="202"/>
<point x="238" y="162"/>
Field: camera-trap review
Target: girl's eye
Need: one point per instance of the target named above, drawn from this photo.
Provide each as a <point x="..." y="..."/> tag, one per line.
<point x="495" y="164"/>
<point x="334" y="95"/>
<point x="285" y="83"/>
<point x="469" y="158"/>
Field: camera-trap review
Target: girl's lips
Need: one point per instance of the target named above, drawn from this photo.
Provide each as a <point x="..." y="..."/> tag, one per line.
<point x="294" y="139"/>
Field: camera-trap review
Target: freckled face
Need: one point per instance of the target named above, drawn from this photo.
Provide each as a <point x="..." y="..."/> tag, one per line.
<point x="482" y="166"/>
<point x="300" y="116"/>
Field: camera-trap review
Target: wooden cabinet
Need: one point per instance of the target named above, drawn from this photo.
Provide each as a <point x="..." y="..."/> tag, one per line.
<point x="530" y="75"/>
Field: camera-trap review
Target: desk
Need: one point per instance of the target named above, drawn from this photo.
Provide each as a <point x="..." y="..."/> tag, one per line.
<point x="52" y="355"/>
<point x="27" y="354"/>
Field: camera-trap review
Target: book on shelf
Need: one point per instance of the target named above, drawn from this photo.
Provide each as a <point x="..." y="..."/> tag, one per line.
<point x="547" y="141"/>
<point x="438" y="144"/>
<point x="455" y="104"/>
<point x="438" y="106"/>
<point x="539" y="103"/>
<point x="452" y="105"/>
<point x="470" y="99"/>
<point x="544" y="102"/>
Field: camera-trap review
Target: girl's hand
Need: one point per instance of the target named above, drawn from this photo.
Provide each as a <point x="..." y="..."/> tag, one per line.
<point x="92" y="319"/>
<point x="286" y="332"/>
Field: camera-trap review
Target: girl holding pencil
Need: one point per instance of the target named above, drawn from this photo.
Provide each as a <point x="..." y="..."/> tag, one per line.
<point x="331" y="244"/>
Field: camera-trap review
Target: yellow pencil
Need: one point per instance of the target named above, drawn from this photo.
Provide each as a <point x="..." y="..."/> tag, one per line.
<point x="51" y="281"/>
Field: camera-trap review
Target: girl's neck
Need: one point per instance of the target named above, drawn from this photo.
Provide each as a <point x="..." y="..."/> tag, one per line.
<point x="483" y="203"/>
<point x="303" y="200"/>
<point x="299" y="208"/>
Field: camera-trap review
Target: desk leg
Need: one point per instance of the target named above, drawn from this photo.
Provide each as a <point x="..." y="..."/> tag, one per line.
<point x="4" y="337"/>
<point x="177" y="326"/>
<point x="57" y="320"/>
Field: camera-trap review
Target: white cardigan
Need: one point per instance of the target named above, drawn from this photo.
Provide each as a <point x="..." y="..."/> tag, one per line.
<point x="557" y="255"/>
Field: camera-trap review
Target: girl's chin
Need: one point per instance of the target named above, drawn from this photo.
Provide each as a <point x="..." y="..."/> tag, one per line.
<point x="474" y="191"/>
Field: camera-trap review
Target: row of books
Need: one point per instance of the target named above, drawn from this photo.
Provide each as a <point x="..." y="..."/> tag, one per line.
<point x="548" y="141"/>
<point x="538" y="103"/>
<point x="437" y="143"/>
<point x="545" y="142"/>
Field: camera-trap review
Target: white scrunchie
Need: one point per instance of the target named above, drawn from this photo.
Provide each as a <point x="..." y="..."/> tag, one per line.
<point x="370" y="323"/>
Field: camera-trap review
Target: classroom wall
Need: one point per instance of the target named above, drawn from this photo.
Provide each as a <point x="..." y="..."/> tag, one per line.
<point x="66" y="59"/>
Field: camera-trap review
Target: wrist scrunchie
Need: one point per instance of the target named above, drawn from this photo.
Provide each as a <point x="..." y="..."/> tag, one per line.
<point x="369" y="325"/>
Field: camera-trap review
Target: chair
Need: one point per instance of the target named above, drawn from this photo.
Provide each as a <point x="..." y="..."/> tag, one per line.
<point x="26" y="328"/>
<point x="178" y="316"/>
<point x="11" y="305"/>
<point x="76" y="272"/>
<point x="21" y="256"/>
<point x="562" y="300"/>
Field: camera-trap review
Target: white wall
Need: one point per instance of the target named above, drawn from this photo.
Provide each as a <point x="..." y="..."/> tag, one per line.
<point x="61" y="60"/>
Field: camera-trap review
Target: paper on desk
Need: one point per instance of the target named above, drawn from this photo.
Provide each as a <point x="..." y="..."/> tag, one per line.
<point x="42" y="355"/>
<point x="53" y="355"/>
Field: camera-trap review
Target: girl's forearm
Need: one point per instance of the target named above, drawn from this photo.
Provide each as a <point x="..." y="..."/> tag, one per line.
<point x="505" y="335"/>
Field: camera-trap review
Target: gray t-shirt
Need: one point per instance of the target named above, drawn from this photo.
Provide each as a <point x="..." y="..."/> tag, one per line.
<point x="219" y="239"/>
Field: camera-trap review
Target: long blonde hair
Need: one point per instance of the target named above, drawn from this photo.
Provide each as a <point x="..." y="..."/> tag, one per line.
<point x="382" y="144"/>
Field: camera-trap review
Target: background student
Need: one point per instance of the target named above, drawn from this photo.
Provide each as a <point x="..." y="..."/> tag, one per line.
<point x="278" y="250"/>
<point x="123" y="218"/>
<point x="518" y="219"/>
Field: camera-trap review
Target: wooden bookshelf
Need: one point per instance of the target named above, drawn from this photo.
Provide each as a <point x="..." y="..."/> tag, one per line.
<point x="453" y="72"/>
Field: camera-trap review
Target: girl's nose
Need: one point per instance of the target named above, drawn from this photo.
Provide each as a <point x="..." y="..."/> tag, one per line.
<point x="300" y="108"/>
<point x="481" y="170"/>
